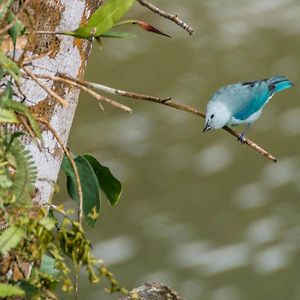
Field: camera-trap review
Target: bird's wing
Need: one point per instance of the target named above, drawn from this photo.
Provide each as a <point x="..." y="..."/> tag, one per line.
<point x="252" y="96"/>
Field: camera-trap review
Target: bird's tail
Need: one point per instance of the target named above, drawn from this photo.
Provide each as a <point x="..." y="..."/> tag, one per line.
<point x="279" y="83"/>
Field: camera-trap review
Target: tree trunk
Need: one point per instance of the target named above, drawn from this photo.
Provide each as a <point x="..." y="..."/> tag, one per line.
<point x="66" y="55"/>
<point x="57" y="54"/>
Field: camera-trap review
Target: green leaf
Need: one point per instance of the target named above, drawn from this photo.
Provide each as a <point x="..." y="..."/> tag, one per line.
<point x="90" y="187"/>
<point x="29" y="289"/>
<point x="9" y="290"/>
<point x="5" y="181"/>
<point x="111" y="186"/>
<point x="7" y="102"/>
<point x="48" y="223"/>
<point x="10" y="238"/>
<point x="9" y="65"/>
<point x="7" y="95"/>
<point x="25" y="175"/>
<point x="118" y="34"/>
<point x="103" y="18"/>
<point x="11" y="137"/>
<point x="17" y="29"/>
<point x="48" y="266"/>
<point x="8" y="116"/>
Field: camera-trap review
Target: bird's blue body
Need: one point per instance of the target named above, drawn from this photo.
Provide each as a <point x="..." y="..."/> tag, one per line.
<point x="242" y="103"/>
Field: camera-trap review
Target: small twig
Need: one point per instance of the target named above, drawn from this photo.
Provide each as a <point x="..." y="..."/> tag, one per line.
<point x="61" y="100"/>
<point x="20" y="90"/>
<point x="114" y="91"/>
<point x="172" y="17"/>
<point x="28" y="61"/>
<point x="69" y="155"/>
<point x="229" y="130"/>
<point x="88" y="91"/>
<point x="8" y="26"/>
<point x="48" y="32"/>
<point x="166" y="101"/>
<point x="26" y="126"/>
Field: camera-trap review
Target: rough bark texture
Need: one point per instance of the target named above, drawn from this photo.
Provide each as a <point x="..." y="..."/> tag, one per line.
<point x="152" y="291"/>
<point x="62" y="54"/>
<point x="58" y="54"/>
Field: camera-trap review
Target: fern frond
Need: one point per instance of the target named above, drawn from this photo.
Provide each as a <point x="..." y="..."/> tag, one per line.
<point x="10" y="238"/>
<point x="25" y="174"/>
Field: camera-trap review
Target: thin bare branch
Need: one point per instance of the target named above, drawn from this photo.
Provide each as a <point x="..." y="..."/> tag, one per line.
<point x="61" y="100"/>
<point x="172" y="17"/>
<point x="87" y="90"/>
<point x="69" y="155"/>
<point x="114" y="91"/>
<point x="167" y="102"/>
<point x="47" y="32"/>
<point x="8" y="27"/>
<point x="229" y="130"/>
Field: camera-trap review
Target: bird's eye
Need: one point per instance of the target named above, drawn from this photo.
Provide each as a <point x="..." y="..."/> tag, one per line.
<point x="212" y="116"/>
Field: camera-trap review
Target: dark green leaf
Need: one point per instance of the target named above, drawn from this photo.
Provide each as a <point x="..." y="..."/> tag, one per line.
<point x="17" y="29"/>
<point x="103" y="18"/>
<point x="90" y="187"/>
<point x="29" y="289"/>
<point x="111" y="186"/>
<point x="119" y="34"/>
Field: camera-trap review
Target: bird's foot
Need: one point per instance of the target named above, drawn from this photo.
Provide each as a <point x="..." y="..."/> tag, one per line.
<point x="242" y="138"/>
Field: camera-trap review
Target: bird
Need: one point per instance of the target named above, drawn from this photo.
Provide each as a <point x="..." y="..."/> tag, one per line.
<point x="242" y="103"/>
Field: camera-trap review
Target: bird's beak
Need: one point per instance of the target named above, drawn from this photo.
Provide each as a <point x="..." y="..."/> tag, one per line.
<point x="207" y="127"/>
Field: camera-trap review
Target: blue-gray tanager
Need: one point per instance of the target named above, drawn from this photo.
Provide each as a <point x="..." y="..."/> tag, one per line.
<point x="242" y="103"/>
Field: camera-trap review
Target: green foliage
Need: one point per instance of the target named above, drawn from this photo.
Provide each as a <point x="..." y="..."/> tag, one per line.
<point x="7" y="116"/>
<point x="9" y="66"/>
<point x="111" y="186"/>
<point x="18" y="172"/>
<point x="28" y="234"/>
<point x="93" y="177"/>
<point x="90" y="188"/>
<point x="34" y="237"/>
<point x="10" y="238"/>
<point x="17" y="29"/>
<point x="6" y="102"/>
<point x="9" y="290"/>
<point x="103" y="19"/>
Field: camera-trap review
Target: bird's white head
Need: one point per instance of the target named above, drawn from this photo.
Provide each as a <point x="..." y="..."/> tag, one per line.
<point x="217" y="116"/>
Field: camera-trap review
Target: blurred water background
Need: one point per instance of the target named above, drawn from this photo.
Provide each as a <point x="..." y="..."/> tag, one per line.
<point x="209" y="217"/>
